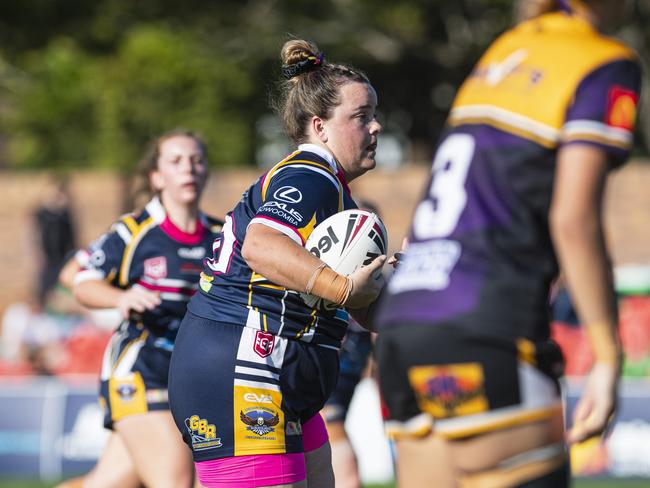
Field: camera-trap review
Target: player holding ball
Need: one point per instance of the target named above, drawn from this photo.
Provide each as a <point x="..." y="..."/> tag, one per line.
<point x="253" y="364"/>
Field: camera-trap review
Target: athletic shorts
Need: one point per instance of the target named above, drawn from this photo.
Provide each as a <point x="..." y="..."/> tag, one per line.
<point x="239" y="391"/>
<point x="448" y="379"/>
<point x="354" y="353"/>
<point x="134" y="375"/>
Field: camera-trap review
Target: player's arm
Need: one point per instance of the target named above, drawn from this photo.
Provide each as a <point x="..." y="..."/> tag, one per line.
<point x="274" y="242"/>
<point x="68" y="272"/>
<point x="577" y="231"/>
<point x="596" y="135"/>
<point x="279" y="259"/>
<point x="96" y="285"/>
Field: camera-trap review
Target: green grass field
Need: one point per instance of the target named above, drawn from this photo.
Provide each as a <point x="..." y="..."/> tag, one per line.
<point x="637" y="483"/>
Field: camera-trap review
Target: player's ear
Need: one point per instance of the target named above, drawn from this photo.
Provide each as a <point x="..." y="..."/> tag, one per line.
<point x="317" y="126"/>
<point x="156" y="180"/>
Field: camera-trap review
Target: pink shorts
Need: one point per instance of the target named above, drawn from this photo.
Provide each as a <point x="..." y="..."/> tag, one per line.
<point x="264" y="469"/>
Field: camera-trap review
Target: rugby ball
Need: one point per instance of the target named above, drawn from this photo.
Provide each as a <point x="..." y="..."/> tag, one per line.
<point x="346" y="241"/>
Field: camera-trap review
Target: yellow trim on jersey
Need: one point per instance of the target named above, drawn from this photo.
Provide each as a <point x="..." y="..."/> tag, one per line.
<point x="288" y="161"/>
<point x="526" y="351"/>
<point x="307" y="327"/>
<point x="250" y="290"/>
<point x="456" y="120"/>
<point x="256" y="278"/>
<point x="519" y="84"/>
<point x="137" y="234"/>
<point x="130" y="223"/>
<point x="306" y="231"/>
<point x="596" y="138"/>
<point x="513" y="420"/>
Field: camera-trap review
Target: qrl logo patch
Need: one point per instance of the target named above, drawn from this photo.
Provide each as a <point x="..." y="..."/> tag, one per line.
<point x="155" y="268"/>
<point x="264" y="343"/>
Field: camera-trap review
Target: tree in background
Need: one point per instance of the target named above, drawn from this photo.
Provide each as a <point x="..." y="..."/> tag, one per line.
<point x="84" y="84"/>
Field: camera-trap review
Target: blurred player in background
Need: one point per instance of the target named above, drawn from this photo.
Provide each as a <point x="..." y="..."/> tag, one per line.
<point x="353" y="358"/>
<point x="55" y="234"/>
<point x="467" y="369"/>
<point x="253" y="364"/>
<point x="147" y="267"/>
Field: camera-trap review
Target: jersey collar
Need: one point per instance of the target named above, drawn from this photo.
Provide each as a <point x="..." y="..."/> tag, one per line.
<point x="329" y="157"/>
<point x="157" y="211"/>
<point x="322" y="152"/>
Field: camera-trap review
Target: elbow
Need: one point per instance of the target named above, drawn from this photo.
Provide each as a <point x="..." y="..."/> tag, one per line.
<point x="250" y="251"/>
<point x="568" y="228"/>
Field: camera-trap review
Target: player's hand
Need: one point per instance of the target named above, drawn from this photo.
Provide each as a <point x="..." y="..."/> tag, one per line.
<point x="398" y="257"/>
<point x="137" y="299"/>
<point x="597" y="403"/>
<point x="367" y="283"/>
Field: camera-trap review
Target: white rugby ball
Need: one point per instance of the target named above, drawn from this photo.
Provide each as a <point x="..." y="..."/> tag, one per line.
<point x="346" y="241"/>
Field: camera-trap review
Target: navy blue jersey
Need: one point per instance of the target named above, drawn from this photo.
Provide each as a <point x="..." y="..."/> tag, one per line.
<point x="481" y="253"/>
<point x="293" y="197"/>
<point x="146" y="249"/>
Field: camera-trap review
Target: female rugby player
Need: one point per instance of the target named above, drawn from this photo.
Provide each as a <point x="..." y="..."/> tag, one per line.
<point x="147" y="267"/>
<point x="253" y="364"/>
<point x="467" y="369"/>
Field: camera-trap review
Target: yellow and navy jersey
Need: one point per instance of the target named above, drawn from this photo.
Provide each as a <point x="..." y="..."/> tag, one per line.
<point x="146" y="249"/>
<point x="480" y="249"/>
<point x="293" y="197"/>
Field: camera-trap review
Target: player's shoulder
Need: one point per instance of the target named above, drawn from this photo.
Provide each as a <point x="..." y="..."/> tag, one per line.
<point x="302" y="162"/>
<point x="138" y="222"/>
<point x="302" y="168"/>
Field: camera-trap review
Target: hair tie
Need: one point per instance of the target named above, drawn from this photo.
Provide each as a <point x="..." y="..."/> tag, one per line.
<point x="295" y="69"/>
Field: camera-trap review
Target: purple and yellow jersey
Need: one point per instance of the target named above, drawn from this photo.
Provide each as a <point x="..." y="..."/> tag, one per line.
<point x="480" y="251"/>
<point x="293" y="197"/>
<point x="146" y="249"/>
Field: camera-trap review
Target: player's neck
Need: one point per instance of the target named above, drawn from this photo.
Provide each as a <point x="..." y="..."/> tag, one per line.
<point x="183" y="216"/>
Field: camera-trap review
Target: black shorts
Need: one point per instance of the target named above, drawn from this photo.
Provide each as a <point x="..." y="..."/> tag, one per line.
<point x="355" y="350"/>
<point x="239" y="391"/>
<point x="445" y="378"/>
<point x="134" y="375"/>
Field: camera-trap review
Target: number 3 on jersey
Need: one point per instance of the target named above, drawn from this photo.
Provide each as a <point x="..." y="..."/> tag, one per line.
<point x="437" y="215"/>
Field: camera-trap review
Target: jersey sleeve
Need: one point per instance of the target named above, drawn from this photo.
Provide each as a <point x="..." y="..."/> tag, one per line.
<point x="103" y="258"/>
<point x="297" y="199"/>
<point x="603" y="110"/>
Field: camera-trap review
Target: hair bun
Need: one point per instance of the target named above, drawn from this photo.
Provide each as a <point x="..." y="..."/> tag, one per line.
<point x="312" y="62"/>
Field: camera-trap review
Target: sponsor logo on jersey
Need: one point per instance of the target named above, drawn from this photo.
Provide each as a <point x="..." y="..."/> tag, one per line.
<point x="288" y="194"/>
<point x="203" y="434"/>
<point x="621" y="107"/>
<point x="449" y="390"/>
<point x="257" y="397"/>
<point x="191" y="252"/>
<point x="259" y="420"/>
<point x="282" y="210"/>
<point x="264" y="343"/>
<point x="126" y="391"/>
<point x="155" y="268"/>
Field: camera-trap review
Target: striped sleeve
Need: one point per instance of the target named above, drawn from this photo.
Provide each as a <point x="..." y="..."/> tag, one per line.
<point x="296" y="197"/>
<point x="603" y="111"/>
